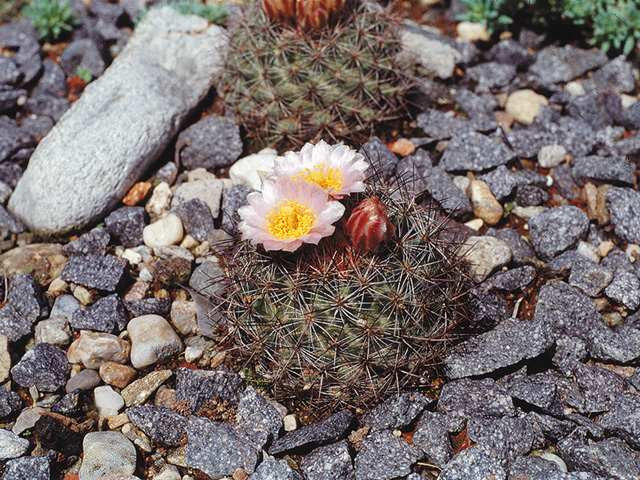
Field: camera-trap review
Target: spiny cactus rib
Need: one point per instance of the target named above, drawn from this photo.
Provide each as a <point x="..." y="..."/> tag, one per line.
<point x="340" y="326"/>
<point x="287" y="86"/>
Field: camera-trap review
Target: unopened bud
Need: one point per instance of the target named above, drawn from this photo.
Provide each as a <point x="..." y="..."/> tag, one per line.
<point x="368" y="226"/>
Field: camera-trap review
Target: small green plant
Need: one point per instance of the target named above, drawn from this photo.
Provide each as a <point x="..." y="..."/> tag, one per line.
<point x="612" y="25"/>
<point x="84" y="74"/>
<point x="212" y="13"/>
<point x="50" y="17"/>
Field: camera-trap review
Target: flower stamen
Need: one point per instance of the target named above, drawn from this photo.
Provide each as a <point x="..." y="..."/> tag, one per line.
<point x="290" y="220"/>
<point x="326" y="177"/>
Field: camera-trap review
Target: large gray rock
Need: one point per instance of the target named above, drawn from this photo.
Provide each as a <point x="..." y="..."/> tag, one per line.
<point x="121" y="123"/>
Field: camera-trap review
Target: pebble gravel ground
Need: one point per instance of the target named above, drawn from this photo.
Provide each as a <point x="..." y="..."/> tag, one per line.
<point x="530" y="147"/>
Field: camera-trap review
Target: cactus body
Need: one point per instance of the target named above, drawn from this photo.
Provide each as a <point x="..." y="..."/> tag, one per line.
<point x="338" y="325"/>
<point x="287" y="85"/>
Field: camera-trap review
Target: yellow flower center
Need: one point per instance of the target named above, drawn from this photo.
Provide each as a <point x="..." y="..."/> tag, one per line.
<point x="290" y="220"/>
<point x="326" y="177"/>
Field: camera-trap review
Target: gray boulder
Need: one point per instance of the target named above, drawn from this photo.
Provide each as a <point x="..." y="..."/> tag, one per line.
<point x="121" y="124"/>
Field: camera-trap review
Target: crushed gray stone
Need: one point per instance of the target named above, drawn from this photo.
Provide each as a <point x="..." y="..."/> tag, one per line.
<point x="384" y="456"/>
<point x="474" y="151"/>
<point x="331" y="461"/>
<point x="396" y="412"/>
<point x="556" y="230"/>
<point x="474" y="463"/>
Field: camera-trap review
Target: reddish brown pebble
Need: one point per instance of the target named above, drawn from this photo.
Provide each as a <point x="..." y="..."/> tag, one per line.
<point x="402" y="147"/>
<point x="117" y="375"/>
<point x="368" y="226"/>
<point x="137" y="193"/>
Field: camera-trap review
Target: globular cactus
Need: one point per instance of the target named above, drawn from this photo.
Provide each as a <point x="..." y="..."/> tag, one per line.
<point x="337" y="325"/>
<point x="311" y="69"/>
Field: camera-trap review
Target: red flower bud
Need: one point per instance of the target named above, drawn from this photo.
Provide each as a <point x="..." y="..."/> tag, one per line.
<point x="368" y="226"/>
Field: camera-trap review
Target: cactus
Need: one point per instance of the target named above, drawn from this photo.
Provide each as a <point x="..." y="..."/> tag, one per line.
<point x="335" y="324"/>
<point x="291" y="83"/>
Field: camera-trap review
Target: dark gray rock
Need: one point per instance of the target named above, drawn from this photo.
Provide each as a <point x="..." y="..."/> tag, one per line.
<point x="508" y="344"/>
<point x="108" y="12"/>
<point x="617" y="74"/>
<point x="25" y="296"/>
<point x="566" y="309"/>
<point x="596" y="109"/>
<point x="474" y="151"/>
<point x="379" y="156"/>
<point x="255" y="411"/>
<point x="441" y="187"/>
<point x="384" y="456"/>
<point x="577" y="136"/>
<point x="9" y="72"/>
<point x="594" y="430"/>
<point x="621" y="346"/>
<point x="479" y="109"/>
<point x="527" y="142"/>
<point x="538" y="390"/>
<point x="196" y="218"/>
<point x="207" y="279"/>
<point x="533" y="468"/>
<point x="210" y="142"/>
<point x="483" y="398"/>
<point x="160" y="423"/>
<point x="234" y="446"/>
<point x="529" y="178"/>
<point x="200" y="386"/>
<point x="521" y="250"/>
<point x="232" y="199"/>
<point x="412" y="171"/>
<point x="396" y="412"/>
<point x="556" y="230"/>
<point x="33" y="468"/>
<point x="507" y="437"/>
<point x="610" y="458"/>
<point x="37" y="126"/>
<point x="432" y="438"/>
<point x="553" y="428"/>
<point x="12" y="139"/>
<point x="105" y="315"/>
<point x="624" y="289"/>
<point x="501" y="182"/>
<point x="149" y="306"/>
<point x="491" y="75"/>
<point x="13" y="325"/>
<point x="623" y="205"/>
<point x="94" y="242"/>
<point x="327" y="431"/>
<point x="438" y="125"/>
<point x="48" y="105"/>
<point x="590" y="277"/>
<point x="52" y="82"/>
<point x="561" y="64"/>
<point x="510" y="52"/>
<point x="9" y="223"/>
<point x="630" y="118"/>
<point x="622" y="420"/>
<point x="563" y="263"/>
<point x="474" y="463"/>
<point x="616" y="169"/>
<point x="71" y="404"/>
<point x="617" y="261"/>
<point x="18" y="32"/>
<point x="531" y="196"/>
<point x="511" y="280"/>
<point x="9" y="402"/>
<point x="86" y="379"/>
<point x="270" y="469"/>
<point x="331" y="461"/>
<point x="28" y="58"/>
<point x="126" y="224"/>
<point x="45" y="366"/>
<point x="486" y="310"/>
<point x="83" y="53"/>
<point x="9" y="99"/>
<point x="599" y="386"/>
<point x="569" y="350"/>
<point x="626" y="146"/>
<point x="95" y="271"/>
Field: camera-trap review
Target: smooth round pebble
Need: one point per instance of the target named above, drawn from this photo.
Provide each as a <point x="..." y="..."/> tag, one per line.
<point x="85" y="380"/>
<point x="116" y="374"/>
<point x="55" y="331"/>
<point x="163" y="232"/>
<point x="92" y="349"/>
<point x="551" y="156"/>
<point x="152" y="340"/>
<point x="485" y="255"/>
<point x="108" y="401"/>
<point x="107" y="452"/>
<point x="524" y="105"/>
<point x="484" y="204"/>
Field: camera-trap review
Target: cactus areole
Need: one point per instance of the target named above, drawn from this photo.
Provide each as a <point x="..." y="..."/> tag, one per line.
<point x="345" y="318"/>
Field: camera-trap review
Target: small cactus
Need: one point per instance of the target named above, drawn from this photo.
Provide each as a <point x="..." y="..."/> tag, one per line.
<point x="339" y="325"/>
<point x="302" y="70"/>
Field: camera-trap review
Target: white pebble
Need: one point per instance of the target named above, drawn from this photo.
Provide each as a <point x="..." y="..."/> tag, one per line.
<point x="160" y="200"/>
<point x="145" y="275"/>
<point x="588" y="251"/>
<point x="152" y="340"/>
<point x="107" y="452"/>
<point x="551" y="156"/>
<point x="524" y="105"/>
<point x="575" y="88"/>
<point x="133" y="257"/>
<point x="53" y="330"/>
<point x="92" y="349"/>
<point x="475" y="224"/>
<point x="248" y="170"/>
<point x="290" y="423"/>
<point x="108" y="401"/>
<point x="11" y="445"/>
<point x="485" y="255"/>
<point x="163" y="232"/>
